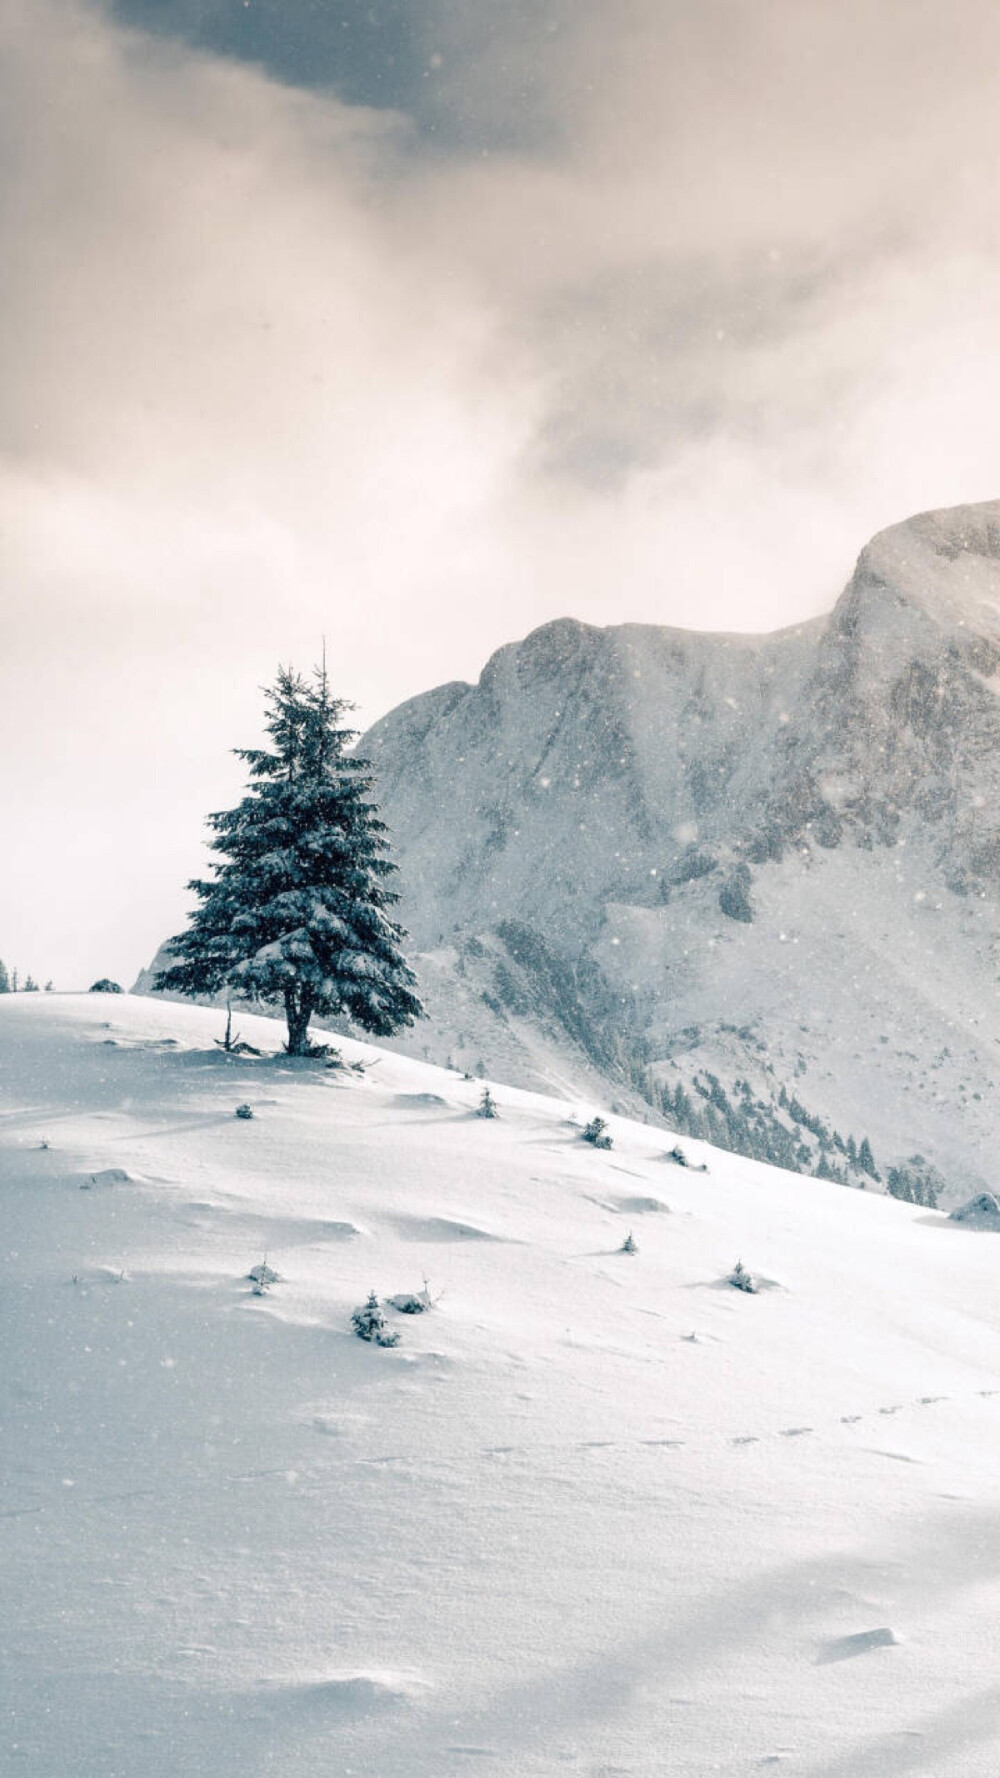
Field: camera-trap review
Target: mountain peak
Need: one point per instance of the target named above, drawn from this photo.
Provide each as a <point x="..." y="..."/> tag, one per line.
<point x="946" y="563"/>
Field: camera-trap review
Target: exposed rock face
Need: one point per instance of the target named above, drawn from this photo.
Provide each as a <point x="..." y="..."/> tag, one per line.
<point x="586" y="766"/>
<point x="633" y="844"/>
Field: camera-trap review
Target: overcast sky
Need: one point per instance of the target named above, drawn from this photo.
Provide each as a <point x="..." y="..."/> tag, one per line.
<point x="420" y="322"/>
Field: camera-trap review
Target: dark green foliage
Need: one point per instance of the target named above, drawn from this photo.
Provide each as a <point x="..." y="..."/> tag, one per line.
<point x="369" y="1323"/>
<point x="508" y="991"/>
<point x="244" y="1111"/>
<point x="297" y="911"/>
<point x="596" y="1133"/>
<point x="106" y="986"/>
<point x="744" y="1124"/>
<point x="741" y="1279"/>
<point x="487" y="1106"/>
<point x="915" y="1181"/>
<point x="4" y="978"/>
<point x="629" y="1244"/>
<point x="866" y="1160"/>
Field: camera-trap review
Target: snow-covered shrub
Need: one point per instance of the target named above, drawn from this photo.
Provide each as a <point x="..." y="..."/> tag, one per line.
<point x="629" y="1245"/>
<point x="596" y="1133"/>
<point x="244" y="1111"/>
<point x="414" y="1302"/>
<point x="741" y="1279"/>
<point x="369" y="1323"/>
<point x="106" y="986"/>
<point x="679" y="1158"/>
<point x="487" y="1105"/>
<point x="262" y="1276"/>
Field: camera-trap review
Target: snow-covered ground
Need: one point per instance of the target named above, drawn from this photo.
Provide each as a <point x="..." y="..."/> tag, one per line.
<point x="597" y="1513"/>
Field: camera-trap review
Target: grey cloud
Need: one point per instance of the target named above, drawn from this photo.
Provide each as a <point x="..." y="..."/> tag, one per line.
<point x="647" y="359"/>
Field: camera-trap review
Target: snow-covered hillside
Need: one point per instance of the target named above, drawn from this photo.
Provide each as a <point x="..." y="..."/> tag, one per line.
<point x="597" y="1513"/>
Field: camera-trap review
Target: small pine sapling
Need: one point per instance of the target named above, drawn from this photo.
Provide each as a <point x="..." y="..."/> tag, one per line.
<point x="596" y="1133"/>
<point x="741" y="1279"/>
<point x="262" y="1276"/>
<point x="369" y="1323"/>
<point x="677" y="1155"/>
<point x="487" y="1104"/>
<point x="244" y="1111"/>
<point x="629" y="1245"/>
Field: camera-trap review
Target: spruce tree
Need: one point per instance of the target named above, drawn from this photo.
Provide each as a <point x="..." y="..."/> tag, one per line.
<point x="866" y="1160"/>
<point x="4" y="978"/>
<point x="297" y="913"/>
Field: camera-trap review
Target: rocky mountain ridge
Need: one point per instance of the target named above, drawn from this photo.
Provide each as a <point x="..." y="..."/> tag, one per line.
<point x="625" y="847"/>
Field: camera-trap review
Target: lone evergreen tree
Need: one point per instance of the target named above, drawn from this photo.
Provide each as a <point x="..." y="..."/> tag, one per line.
<point x="297" y="912"/>
<point x="4" y="978"/>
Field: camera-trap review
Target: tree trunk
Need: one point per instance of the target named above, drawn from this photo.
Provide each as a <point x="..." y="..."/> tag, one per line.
<point x="298" y="1012"/>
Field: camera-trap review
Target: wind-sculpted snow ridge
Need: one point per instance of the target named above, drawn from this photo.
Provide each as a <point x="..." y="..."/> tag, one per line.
<point x="731" y="864"/>
<point x="595" y="1512"/>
